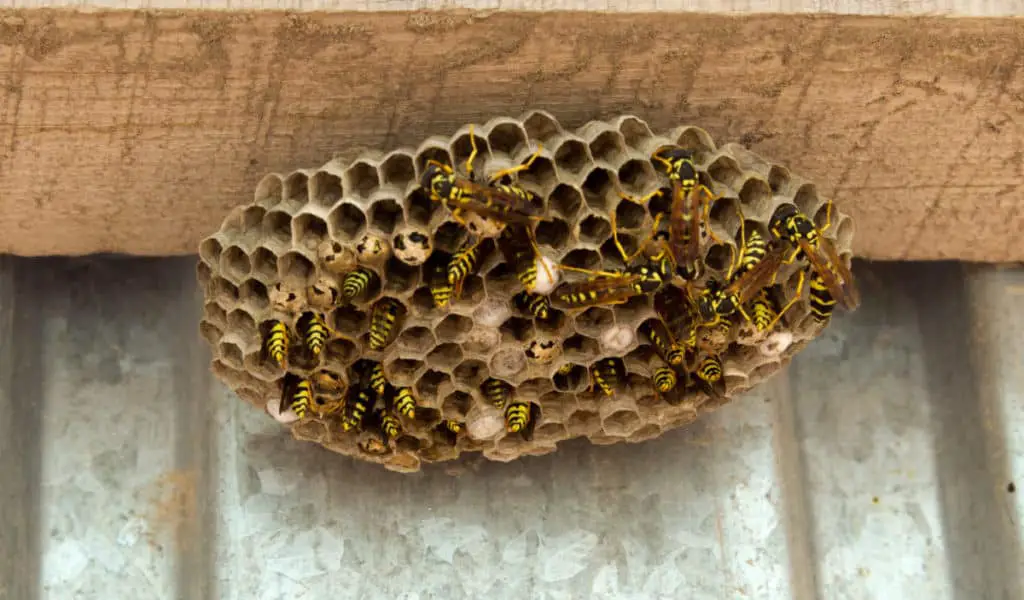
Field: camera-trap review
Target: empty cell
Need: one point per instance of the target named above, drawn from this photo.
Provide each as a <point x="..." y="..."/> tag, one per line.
<point x="636" y="176"/>
<point x="541" y="174"/>
<point x="594" y="229"/>
<point x="264" y="264"/>
<point x="574" y="380"/>
<point x="634" y="131"/>
<point x="506" y="137"/>
<point x="223" y="291"/>
<point x="551" y="432"/>
<point x="844" y="236"/>
<point x="582" y="422"/>
<point x="540" y="125"/>
<point x="419" y="208"/>
<point x="210" y="332"/>
<point x="254" y="294"/>
<point x="517" y="329"/>
<point x="597" y="188"/>
<point x="565" y="200"/>
<point x="210" y="250"/>
<point x="325" y="189"/>
<point x="611" y="254"/>
<point x="397" y="169"/>
<point x="725" y="216"/>
<point x="756" y="197"/>
<point x="296" y="187"/>
<point x="215" y="314"/>
<point x="630" y="215"/>
<point x="339" y="351"/>
<point x="580" y="348"/>
<point x="400" y="276"/>
<point x="350" y="321"/>
<point x="402" y="370"/>
<point x="462" y="147"/>
<point x="416" y="339"/>
<point x="296" y="267"/>
<point x="609" y="147"/>
<point x="553" y="233"/>
<point x="203" y="274"/>
<point x="582" y="258"/>
<point x="456" y="405"/>
<point x="453" y="327"/>
<point x="361" y="178"/>
<point x="270" y="191"/>
<point x="779" y="178"/>
<point x="534" y="387"/>
<point x="252" y="218"/>
<point x="647" y="432"/>
<point x="726" y="170"/>
<point x="621" y="423"/>
<point x="470" y="372"/>
<point x="308" y="231"/>
<point x="594" y="320"/>
<point x="632" y="310"/>
<point x="572" y="156"/>
<point x="449" y="237"/>
<point x="429" y="383"/>
<point x="230" y="354"/>
<point x="422" y="302"/>
<point x="662" y="203"/>
<point x="385" y="215"/>
<point x="346" y="221"/>
<point x="277" y="226"/>
<point x="438" y="154"/>
<point x="241" y="323"/>
<point x="472" y="292"/>
<point x="696" y="139"/>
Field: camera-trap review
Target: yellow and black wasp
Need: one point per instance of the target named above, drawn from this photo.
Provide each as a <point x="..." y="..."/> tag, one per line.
<point x="607" y="374"/>
<point x="437" y="281"/>
<point x="358" y="403"/>
<point x="764" y="310"/>
<point x="357" y="282"/>
<point x="390" y="426"/>
<point x="324" y="406"/>
<point x="329" y="382"/>
<point x="313" y="331"/>
<point x="383" y="322"/>
<point x="376" y="378"/>
<point x="664" y="344"/>
<point x="297" y="395"/>
<point x="403" y="402"/>
<point x="820" y="300"/>
<point x="664" y="378"/>
<point x="537" y="305"/>
<point x="449" y="430"/>
<point x="277" y="343"/>
<point x="718" y="301"/>
<point x="503" y="203"/>
<point x="496" y="391"/>
<point x="517" y="416"/>
<point x="790" y="225"/>
<point x="710" y="374"/>
<point x="463" y="263"/>
<point x="514" y="244"/>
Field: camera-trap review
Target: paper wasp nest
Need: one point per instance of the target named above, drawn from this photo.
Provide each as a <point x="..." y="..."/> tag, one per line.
<point x="288" y="252"/>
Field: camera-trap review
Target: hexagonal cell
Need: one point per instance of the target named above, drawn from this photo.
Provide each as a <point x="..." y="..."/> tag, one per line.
<point x="297" y="268"/>
<point x="234" y="263"/>
<point x="264" y="264"/>
<point x="397" y="169"/>
<point x="516" y="329"/>
<point x="550" y="432"/>
<point x="403" y="371"/>
<point x="210" y="250"/>
<point x="637" y="176"/>
<point x="449" y="237"/>
<point x="286" y="297"/>
<point x="553" y="233"/>
<point x="570" y="378"/>
<point x="325" y="189"/>
<point x="508" y="361"/>
<point x="726" y="170"/>
<point x="598" y="188"/>
<point x="445" y="356"/>
<point x="696" y="139"/>
<point x="453" y="328"/>
<point x="573" y="156"/>
<point x="308" y="231"/>
<point x="470" y="372"/>
<point x="215" y="314"/>
<point x="806" y="198"/>
<point x="660" y="204"/>
<point x="277" y="227"/>
<point x="633" y="310"/>
<point x="254" y="295"/>
<point x="583" y="259"/>
<point x="204" y="274"/>
<point x="542" y="174"/>
<point x="621" y="423"/>
<point x="634" y="131"/>
<point x="756" y="197"/>
<point x="609" y="147"/>
<point x="844" y="237"/>
<point x="565" y="200"/>
<point x="361" y="178"/>
<point x="481" y="341"/>
<point x="647" y="432"/>
<point x="296" y="187"/>
<point x="580" y="349"/>
<point x="346" y="221"/>
<point x="223" y="291"/>
<point x="552" y="326"/>
<point x="456" y="405"/>
<point x="211" y="333"/>
<point x="416" y="339"/>
<point x="583" y="422"/>
<point x="595" y="320"/>
<point x="422" y="302"/>
<point x="462" y="146"/>
<point x="230" y="354"/>
<point x="429" y="384"/>
<point x="472" y="292"/>
<point x="541" y="125"/>
<point x="420" y="208"/>
<point x="779" y="179"/>
<point x="385" y="214"/>
<point x="350" y="321"/>
<point x="431" y="151"/>
<point x="719" y="257"/>
<point x="507" y="137"/>
<point x="270" y="190"/>
<point x="630" y="215"/>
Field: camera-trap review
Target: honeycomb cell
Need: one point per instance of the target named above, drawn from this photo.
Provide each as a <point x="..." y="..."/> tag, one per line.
<point x="294" y="266"/>
<point x="584" y="422"/>
<point x="264" y="264"/>
<point x="636" y="177"/>
<point x="470" y="372"/>
<point x="325" y="189"/>
<point x="630" y="215"/>
<point x="339" y="351"/>
<point x="472" y="292"/>
<point x="324" y="293"/>
<point x="552" y="326"/>
<point x="277" y="228"/>
<point x="553" y="233"/>
<point x="254" y="295"/>
<point x="403" y="371"/>
<point x="517" y="330"/>
<point x="385" y="215"/>
<point x="594" y="229"/>
<point x="540" y="125"/>
<point x="756" y="198"/>
<point x="308" y="231"/>
<point x="416" y="339"/>
<point x="565" y="201"/>
<point x="572" y="157"/>
<point x="618" y="338"/>
<point x="481" y="341"/>
<point x="361" y="178"/>
<point x="508" y="361"/>
<point x="422" y="302"/>
<point x="204" y="274"/>
<point x="541" y="175"/>
<point x="634" y="131"/>
<point x="696" y="139"/>
<point x="296" y="187"/>
<point x="595" y="320"/>
<point x="779" y="179"/>
<point x="434" y="151"/>
<point x="583" y="259"/>
<point x="551" y="432"/>
<point x="507" y="137"/>
<point x="609" y="147"/>
<point x="224" y="291"/>
<point x="350" y="321"/>
<point x="430" y="383"/>
<point x="401" y="277"/>
<point x="726" y="170"/>
<point x="230" y="354"/>
<point x="575" y="380"/>
<point x="647" y="432"/>
<point x="453" y="328"/>
<point x="806" y="198"/>
<point x="445" y="356"/>
<point x="456" y="405"/>
<point x="210" y="250"/>
<point x="234" y="263"/>
<point x="844" y="236"/>
<point x="285" y="297"/>
<point x="346" y="221"/>
<point x="210" y="332"/>
<point x="719" y="257"/>
<point x="419" y="208"/>
<point x="251" y="219"/>
<point x="270" y="191"/>
<point x="580" y="349"/>
<point x="598" y="188"/>
<point x="632" y="311"/>
<point x="397" y="169"/>
<point x="215" y="314"/>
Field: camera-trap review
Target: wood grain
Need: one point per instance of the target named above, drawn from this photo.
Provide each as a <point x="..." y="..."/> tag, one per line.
<point x="137" y="131"/>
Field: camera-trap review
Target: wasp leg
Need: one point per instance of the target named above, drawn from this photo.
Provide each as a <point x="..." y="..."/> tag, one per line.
<point x="472" y="155"/>
<point x="787" y="261"/>
<point x="537" y="255"/>
<point x="523" y="167"/>
<point x="628" y="258"/>
<point x="796" y="298"/>
<point x="643" y="200"/>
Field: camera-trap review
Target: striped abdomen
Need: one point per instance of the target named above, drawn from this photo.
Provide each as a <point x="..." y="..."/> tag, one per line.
<point x="710" y="369"/>
<point x="277" y="343"/>
<point x="313" y="331"/>
<point x="382" y="323"/>
<point x="664" y="379"/>
<point x="517" y="415"/>
<point x="496" y="391"/>
<point x="821" y="301"/>
<point x="405" y="402"/>
<point x="356" y="282"/>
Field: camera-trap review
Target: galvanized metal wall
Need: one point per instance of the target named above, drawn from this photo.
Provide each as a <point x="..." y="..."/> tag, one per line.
<point x="879" y="466"/>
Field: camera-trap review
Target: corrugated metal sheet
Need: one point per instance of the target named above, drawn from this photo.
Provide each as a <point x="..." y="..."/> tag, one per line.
<point x="879" y="466"/>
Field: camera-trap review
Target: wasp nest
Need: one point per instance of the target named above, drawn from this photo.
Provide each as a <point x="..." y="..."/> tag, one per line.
<point x="364" y="242"/>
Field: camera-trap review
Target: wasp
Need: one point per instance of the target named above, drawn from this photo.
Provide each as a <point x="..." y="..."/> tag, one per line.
<point x="314" y="332"/>
<point x="296" y="394"/>
<point x="517" y="417"/>
<point x="382" y="322"/>
<point x="514" y="244"/>
<point x="377" y="379"/>
<point x="462" y="264"/>
<point x="720" y="301"/>
<point x="664" y="379"/>
<point x="323" y="406"/>
<point x="795" y="228"/>
<point x="667" y="348"/>
<point x="328" y="382"/>
<point x="357" y="406"/>
<point x="535" y="304"/>
<point x="709" y="371"/>
<point x="357" y="282"/>
<point x="449" y="430"/>
<point x="607" y="374"/>
<point x="820" y="300"/>
<point x="503" y="203"/>
<point x="390" y="427"/>
<point x="440" y="289"/>
<point x="496" y="391"/>
<point x="404" y="403"/>
<point x="277" y="343"/>
<point x="764" y="309"/>
<point x="565" y="369"/>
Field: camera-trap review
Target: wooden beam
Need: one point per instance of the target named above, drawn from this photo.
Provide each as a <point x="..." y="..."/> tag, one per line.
<point x="137" y="131"/>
